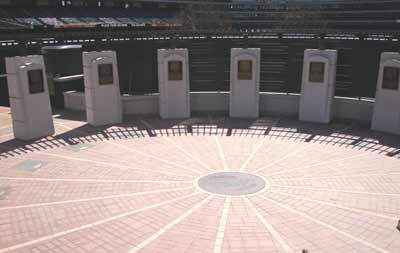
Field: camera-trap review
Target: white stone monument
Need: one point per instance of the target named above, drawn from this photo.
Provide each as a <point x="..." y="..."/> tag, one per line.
<point x="173" y="83"/>
<point x="29" y="97"/>
<point x="318" y="85"/>
<point x="386" y="115"/>
<point x="102" y="93"/>
<point x="244" y="83"/>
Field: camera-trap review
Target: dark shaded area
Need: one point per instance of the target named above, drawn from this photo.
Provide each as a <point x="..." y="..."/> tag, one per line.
<point x="62" y="61"/>
<point x="349" y="134"/>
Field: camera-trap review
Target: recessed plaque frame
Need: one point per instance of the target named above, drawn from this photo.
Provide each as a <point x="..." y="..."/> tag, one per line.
<point x="35" y="81"/>
<point x="317" y="72"/>
<point x="175" y="71"/>
<point x="245" y="70"/>
<point x="391" y="78"/>
<point x="105" y="72"/>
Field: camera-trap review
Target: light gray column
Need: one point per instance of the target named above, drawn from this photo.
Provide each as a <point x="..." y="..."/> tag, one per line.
<point x="173" y="83"/>
<point x="244" y="83"/>
<point x="29" y="97"/>
<point x="386" y="115"/>
<point x="318" y="85"/>
<point x="102" y="93"/>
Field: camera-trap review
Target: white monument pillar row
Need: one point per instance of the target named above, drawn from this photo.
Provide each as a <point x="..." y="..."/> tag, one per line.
<point x="244" y="83"/>
<point x="102" y="92"/>
<point x="386" y="116"/>
<point x="29" y="97"/>
<point x="318" y="85"/>
<point x="173" y="83"/>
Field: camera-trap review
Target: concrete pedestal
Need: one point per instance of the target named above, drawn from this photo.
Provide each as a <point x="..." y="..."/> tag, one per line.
<point x="173" y="83"/>
<point x="386" y="116"/>
<point x="29" y="97"/>
<point x="244" y="82"/>
<point x="318" y="85"/>
<point x="102" y="93"/>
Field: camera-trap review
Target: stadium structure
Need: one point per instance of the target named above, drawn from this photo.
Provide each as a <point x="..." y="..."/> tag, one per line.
<point x="200" y="126"/>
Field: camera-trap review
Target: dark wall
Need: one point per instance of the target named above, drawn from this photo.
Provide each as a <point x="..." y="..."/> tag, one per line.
<point x="62" y="61"/>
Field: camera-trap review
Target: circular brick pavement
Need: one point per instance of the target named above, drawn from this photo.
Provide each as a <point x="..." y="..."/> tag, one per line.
<point x="133" y="188"/>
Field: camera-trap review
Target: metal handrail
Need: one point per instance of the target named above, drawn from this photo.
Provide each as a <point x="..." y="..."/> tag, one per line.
<point x="64" y="79"/>
<point x="61" y="79"/>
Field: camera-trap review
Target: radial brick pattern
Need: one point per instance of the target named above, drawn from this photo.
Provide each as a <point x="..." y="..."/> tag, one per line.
<point x="133" y="187"/>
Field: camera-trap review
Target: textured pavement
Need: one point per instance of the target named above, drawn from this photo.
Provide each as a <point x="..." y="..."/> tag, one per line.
<point x="133" y="187"/>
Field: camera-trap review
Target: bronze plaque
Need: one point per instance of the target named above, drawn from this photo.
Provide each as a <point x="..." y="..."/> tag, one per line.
<point x="317" y="72"/>
<point x="175" y="72"/>
<point x="106" y="75"/>
<point x="35" y="81"/>
<point x="245" y="70"/>
<point x="390" y="78"/>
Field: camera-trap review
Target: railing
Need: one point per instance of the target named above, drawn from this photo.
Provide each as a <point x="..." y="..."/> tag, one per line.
<point x="64" y="79"/>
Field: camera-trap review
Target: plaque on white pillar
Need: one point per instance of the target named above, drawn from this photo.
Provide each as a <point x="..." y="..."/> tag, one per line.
<point x="244" y="83"/>
<point x="102" y="93"/>
<point x="386" y="117"/>
<point x="318" y="85"/>
<point x="29" y="97"/>
<point x="173" y="83"/>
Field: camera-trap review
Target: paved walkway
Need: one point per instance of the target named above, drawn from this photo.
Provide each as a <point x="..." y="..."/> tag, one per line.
<point x="133" y="187"/>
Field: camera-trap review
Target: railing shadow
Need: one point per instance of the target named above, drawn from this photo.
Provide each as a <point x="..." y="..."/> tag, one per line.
<point x="349" y="134"/>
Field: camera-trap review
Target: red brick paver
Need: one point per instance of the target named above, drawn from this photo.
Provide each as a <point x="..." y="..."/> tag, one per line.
<point x="133" y="187"/>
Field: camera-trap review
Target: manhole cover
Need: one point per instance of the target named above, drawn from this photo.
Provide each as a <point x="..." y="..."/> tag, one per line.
<point x="78" y="147"/>
<point x="30" y="165"/>
<point x="3" y="191"/>
<point x="232" y="183"/>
